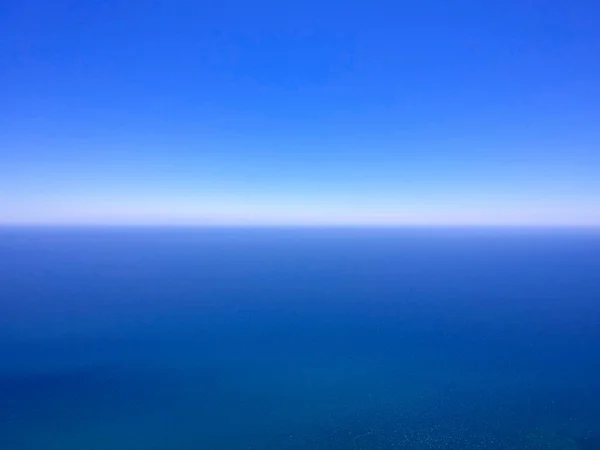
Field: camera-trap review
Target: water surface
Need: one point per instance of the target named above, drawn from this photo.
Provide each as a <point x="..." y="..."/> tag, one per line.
<point x="182" y="339"/>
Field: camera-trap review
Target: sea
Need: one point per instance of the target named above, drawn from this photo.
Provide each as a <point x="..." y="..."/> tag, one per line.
<point x="158" y="338"/>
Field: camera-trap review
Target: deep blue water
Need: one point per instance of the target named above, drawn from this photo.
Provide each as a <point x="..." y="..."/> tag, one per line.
<point x="182" y="339"/>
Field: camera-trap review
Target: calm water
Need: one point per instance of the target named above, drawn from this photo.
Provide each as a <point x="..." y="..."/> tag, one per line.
<point x="138" y="339"/>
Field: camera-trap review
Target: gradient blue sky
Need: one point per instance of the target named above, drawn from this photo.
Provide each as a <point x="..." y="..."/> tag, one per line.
<point x="312" y="112"/>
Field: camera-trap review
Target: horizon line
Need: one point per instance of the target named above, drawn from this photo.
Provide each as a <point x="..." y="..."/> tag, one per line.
<point x="298" y="225"/>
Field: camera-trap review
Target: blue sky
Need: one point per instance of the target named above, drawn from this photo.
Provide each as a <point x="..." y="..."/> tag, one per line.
<point x="315" y="112"/>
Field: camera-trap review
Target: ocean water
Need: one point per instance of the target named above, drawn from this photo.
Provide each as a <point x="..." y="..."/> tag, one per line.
<point x="185" y="339"/>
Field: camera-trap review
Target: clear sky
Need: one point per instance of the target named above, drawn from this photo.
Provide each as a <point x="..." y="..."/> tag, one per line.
<point x="300" y="112"/>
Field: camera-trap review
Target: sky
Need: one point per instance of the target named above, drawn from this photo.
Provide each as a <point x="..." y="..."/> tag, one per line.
<point x="430" y="112"/>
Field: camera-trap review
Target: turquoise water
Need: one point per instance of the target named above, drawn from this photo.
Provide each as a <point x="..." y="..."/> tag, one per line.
<point x="135" y="339"/>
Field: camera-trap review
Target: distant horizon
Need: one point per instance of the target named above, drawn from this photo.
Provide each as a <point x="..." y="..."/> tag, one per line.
<point x="293" y="216"/>
<point x="512" y="226"/>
